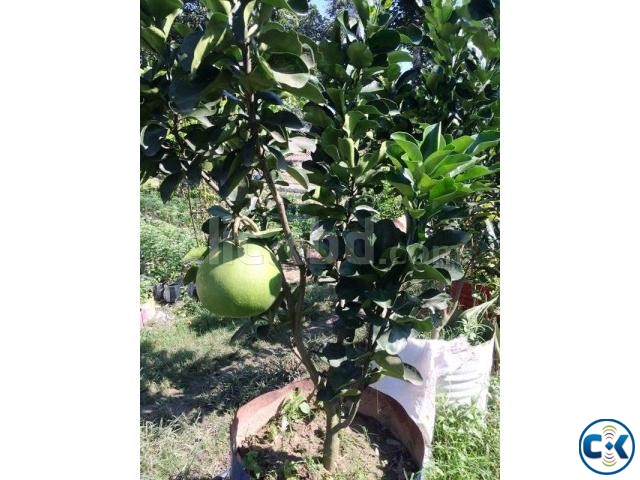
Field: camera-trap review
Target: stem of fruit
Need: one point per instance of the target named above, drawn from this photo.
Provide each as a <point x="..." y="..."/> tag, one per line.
<point x="295" y="303"/>
<point x="249" y="223"/>
<point x="236" y="225"/>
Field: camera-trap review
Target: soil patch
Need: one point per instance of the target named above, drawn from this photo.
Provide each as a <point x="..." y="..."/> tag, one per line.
<point x="286" y="451"/>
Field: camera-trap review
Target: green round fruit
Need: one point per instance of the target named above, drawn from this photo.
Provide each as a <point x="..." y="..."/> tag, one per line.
<point x="239" y="281"/>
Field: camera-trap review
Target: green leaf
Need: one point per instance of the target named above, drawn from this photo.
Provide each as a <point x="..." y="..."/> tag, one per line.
<point x="409" y="145"/>
<point x="403" y="182"/>
<point x="269" y="98"/>
<point x="399" y="57"/>
<point x="474" y="172"/>
<point x="384" y="41"/>
<point x="453" y="165"/>
<point x="305" y="408"/>
<point x="490" y="48"/>
<point x="431" y="140"/>
<point x="411" y="34"/>
<point x="395" y="339"/>
<point x="169" y="185"/>
<point x="364" y="10"/>
<point x="261" y="77"/>
<point x="237" y="175"/>
<point x="425" y="183"/>
<point x="241" y="23"/>
<point x="454" y="269"/>
<point x="329" y="142"/>
<point x="417" y="212"/>
<point x="318" y="210"/>
<point x="282" y="42"/>
<point x="411" y="374"/>
<point x="151" y="138"/>
<point x="160" y="9"/>
<point x="346" y="149"/>
<point x="443" y="187"/>
<point x="369" y="110"/>
<point x="422" y="271"/>
<point x="300" y="176"/>
<point x="351" y="119"/>
<point x="334" y="353"/>
<point x="422" y="325"/>
<point x="317" y="116"/>
<point x="282" y="118"/>
<point x="212" y="37"/>
<point x="222" y="6"/>
<point x="460" y="144"/>
<point x="195" y="254"/>
<point x="289" y="69"/>
<point x="359" y="55"/>
<point x="362" y="127"/>
<point x="482" y="141"/>
<point x="337" y="97"/>
<point x="310" y="91"/>
<point x="406" y="77"/>
<point x="299" y="6"/>
<point x="154" y="37"/>
<point x="302" y="143"/>
<point x="330" y="54"/>
<point x="434" y="160"/>
<point x="390" y="364"/>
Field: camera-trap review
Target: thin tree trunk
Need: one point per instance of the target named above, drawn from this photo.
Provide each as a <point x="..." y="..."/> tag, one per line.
<point x="331" y="448"/>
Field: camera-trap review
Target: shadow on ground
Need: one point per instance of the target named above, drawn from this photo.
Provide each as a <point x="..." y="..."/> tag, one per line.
<point x="201" y="385"/>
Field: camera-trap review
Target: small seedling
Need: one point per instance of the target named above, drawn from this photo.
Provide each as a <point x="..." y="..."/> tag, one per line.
<point x="294" y="409"/>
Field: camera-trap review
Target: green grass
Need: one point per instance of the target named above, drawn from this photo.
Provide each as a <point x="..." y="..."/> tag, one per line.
<point x="466" y="443"/>
<point x="192" y="379"/>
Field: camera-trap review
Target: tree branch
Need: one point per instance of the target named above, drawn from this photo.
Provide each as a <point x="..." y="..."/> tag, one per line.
<point x="295" y="306"/>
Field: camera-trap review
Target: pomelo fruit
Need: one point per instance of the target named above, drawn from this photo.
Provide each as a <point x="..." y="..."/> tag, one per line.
<point x="239" y="281"/>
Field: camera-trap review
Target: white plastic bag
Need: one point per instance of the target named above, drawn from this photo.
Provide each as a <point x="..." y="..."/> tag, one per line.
<point x="438" y="361"/>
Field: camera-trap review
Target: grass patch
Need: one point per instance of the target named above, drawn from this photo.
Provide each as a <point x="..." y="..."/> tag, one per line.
<point x="182" y="448"/>
<point x="192" y="379"/>
<point x="466" y="443"/>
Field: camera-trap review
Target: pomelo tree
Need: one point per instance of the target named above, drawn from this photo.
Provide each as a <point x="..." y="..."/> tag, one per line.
<point x="214" y="110"/>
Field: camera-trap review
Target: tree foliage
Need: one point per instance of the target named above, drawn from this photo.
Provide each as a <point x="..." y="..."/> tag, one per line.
<point x="213" y="110"/>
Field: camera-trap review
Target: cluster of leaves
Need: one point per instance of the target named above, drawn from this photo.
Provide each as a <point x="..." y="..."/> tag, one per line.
<point x="456" y="75"/>
<point x="194" y="126"/>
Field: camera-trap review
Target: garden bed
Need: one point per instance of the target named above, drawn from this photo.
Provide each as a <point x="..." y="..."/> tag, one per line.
<point x="291" y="449"/>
